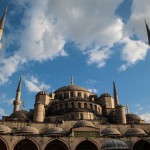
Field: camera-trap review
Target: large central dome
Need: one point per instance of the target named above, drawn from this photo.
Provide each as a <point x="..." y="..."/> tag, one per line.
<point x="72" y="88"/>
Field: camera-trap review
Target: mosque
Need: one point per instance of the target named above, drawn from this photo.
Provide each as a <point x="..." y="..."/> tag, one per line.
<point x="72" y="118"/>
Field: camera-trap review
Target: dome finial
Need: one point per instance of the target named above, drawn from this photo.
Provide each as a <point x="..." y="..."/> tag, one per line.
<point x="127" y="109"/>
<point x="23" y="105"/>
<point x="72" y="82"/>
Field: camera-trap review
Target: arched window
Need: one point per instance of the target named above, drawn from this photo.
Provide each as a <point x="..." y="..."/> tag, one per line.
<point x="88" y="145"/>
<point x="79" y="105"/>
<point x="81" y="116"/>
<point x="85" y="105"/>
<point x="65" y="95"/>
<point x="79" y="94"/>
<point x="2" y="145"/>
<point x="66" y="105"/>
<point x="91" y="106"/>
<point x="26" y="144"/>
<point x="60" y="106"/>
<point x="55" y="107"/>
<point x="72" y="105"/>
<point x="95" y="107"/>
<point x="85" y="96"/>
<point x="99" y="109"/>
<point x="56" y="144"/>
<point x="72" y="94"/>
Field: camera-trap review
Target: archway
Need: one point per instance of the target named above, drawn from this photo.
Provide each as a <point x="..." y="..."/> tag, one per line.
<point x="56" y="145"/>
<point x="2" y="145"/>
<point x="141" y="145"/>
<point x="26" y="144"/>
<point x="86" y="145"/>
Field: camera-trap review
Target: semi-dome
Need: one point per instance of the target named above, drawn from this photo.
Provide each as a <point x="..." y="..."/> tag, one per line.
<point x="134" y="132"/>
<point x="20" y="114"/>
<point x="105" y="95"/>
<point x="114" y="144"/>
<point x="72" y="88"/>
<point x="110" y="132"/>
<point x="4" y="129"/>
<point x="133" y="118"/>
<point x="29" y="129"/>
<point x="83" y="123"/>
<point x="56" y="130"/>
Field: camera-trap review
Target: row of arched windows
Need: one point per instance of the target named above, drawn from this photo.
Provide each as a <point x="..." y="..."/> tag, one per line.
<point x="73" y="105"/>
<point x="64" y="95"/>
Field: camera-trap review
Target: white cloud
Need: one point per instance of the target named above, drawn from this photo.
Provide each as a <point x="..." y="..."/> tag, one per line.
<point x="146" y="117"/>
<point x="46" y="26"/>
<point x="132" y="52"/>
<point x="93" y="90"/>
<point x="139" y="107"/>
<point x="33" y="84"/>
<point x="9" y="66"/>
<point x="4" y="99"/>
<point x="99" y="56"/>
<point x="140" y="12"/>
<point x="45" y="29"/>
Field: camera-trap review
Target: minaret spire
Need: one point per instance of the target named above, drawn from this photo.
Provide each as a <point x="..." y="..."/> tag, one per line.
<point x="127" y="109"/>
<point x="17" y="101"/>
<point x="2" y="23"/>
<point x="148" y="33"/>
<point x="115" y="94"/>
<point x="72" y="82"/>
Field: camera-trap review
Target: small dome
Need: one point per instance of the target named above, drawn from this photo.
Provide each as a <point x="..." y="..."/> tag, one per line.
<point x="29" y="129"/>
<point x="4" y="129"/>
<point x="133" y="118"/>
<point x="110" y="131"/>
<point x="114" y="144"/>
<point x="72" y="88"/>
<point x="56" y="130"/>
<point x="20" y="114"/>
<point x="105" y="95"/>
<point x="134" y="131"/>
<point x="83" y="123"/>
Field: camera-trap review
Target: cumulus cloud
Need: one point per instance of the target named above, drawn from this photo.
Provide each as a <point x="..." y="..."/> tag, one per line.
<point x="146" y="117"/>
<point x="8" y="66"/>
<point x="93" y="90"/>
<point x="132" y="52"/>
<point x="99" y="56"/>
<point x="46" y="26"/>
<point x="33" y="84"/>
<point x="6" y="100"/>
<point x="139" y="12"/>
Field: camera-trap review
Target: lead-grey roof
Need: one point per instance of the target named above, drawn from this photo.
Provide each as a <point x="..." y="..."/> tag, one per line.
<point x="110" y="131"/>
<point x="83" y="123"/>
<point x="29" y="129"/>
<point x="72" y="88"/>
<point x="134" y="132"/>
<point x="114" y="144"/>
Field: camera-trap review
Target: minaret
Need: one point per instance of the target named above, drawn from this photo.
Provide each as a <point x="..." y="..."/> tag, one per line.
<point x="148" y="32"/>
<point x="115" y="94"/>
<point x="17" y="101"/>
<point x="127" y="109"/>
<point x="2" y="23"/>
<point x="72" y="82"/>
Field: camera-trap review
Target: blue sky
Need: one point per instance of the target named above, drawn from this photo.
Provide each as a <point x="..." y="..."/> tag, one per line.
<point x="96" y="41"/>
